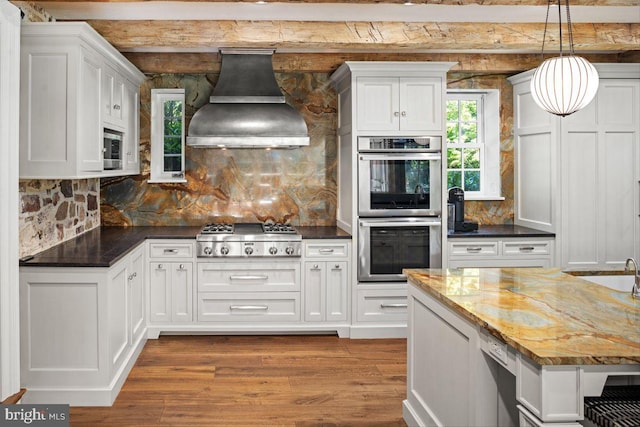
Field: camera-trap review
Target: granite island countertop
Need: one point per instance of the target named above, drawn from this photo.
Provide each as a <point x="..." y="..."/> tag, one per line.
<point x="104" y="246"/>
<point x="551" y="317"/>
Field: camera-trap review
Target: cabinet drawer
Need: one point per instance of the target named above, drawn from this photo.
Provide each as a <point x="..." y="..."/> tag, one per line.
<point x="248" y="277"/>
<point x="522" y="248"/>
<point x="479" y="248"/>
<point x="326" y="250"/>
<point x="171" y="250"/>
<point x="382" y="305"/>
<point x="237" y="307"/>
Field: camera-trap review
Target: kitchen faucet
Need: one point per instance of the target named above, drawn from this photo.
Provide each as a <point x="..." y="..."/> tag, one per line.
<point x="635" y="291"/>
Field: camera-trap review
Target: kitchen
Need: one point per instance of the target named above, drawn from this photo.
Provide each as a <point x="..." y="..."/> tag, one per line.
<point x="310" y="201"/>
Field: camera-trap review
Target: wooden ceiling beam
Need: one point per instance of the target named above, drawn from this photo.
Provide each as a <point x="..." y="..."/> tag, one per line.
<point x="296" y="36"/>
<point x="440" y="2"/>
<point x="205" y="63"/>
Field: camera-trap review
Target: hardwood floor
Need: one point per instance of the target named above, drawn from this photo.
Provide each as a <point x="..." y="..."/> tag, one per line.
<point x="259" y="381"/>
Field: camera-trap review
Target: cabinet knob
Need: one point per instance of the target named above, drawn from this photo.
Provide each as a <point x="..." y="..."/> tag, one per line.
<point x="337" y="267"/>
<point x="159" y="266"/>
<point x="181" y="266"/>
<point x="315" y="266"/>
<point x="116" y="107"/>
<point x="403" y="114"/>
<point x="396" y="114"/>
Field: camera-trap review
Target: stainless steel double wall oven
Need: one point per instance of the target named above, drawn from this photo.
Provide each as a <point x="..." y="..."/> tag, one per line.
<point x="399" y="206"/>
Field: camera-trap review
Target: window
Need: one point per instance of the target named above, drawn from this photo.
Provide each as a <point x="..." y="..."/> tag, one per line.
<point x="167" y="135"/>
<point x="473" y="143"/>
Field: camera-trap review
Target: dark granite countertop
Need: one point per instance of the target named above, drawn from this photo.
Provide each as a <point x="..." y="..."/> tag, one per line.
<point x="323" y="233"/>
<point x="503" y="230"/>
<point x="104" y="246"/>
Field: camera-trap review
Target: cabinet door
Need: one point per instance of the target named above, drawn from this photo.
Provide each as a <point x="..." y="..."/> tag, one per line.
<point x="182" y="292"/>
<point x="89" y="128"/>
<point x="113" y="95"/>
<point x="131" y="112"/>
<point x="136" y="294"/>
<point x="421" y="104"/>
<point x="118" y="315"/>
<point x="378" y="104"/>
<point x="160" y="292"/>
<point x="314" y="293"/>
<point x="336" y="290"/>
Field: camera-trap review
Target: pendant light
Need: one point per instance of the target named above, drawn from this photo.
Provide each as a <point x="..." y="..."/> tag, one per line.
<point x="566" y="83"/>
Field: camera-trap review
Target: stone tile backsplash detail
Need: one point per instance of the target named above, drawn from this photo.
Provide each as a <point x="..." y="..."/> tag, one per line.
<point x="52" y="211"/>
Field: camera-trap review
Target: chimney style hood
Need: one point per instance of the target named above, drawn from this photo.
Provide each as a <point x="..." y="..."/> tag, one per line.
<point x="247" y="108"/>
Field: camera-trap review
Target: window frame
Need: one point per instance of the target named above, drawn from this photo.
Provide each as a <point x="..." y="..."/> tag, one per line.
<point x="488" y="140"/>
<point x="158" y="99"/>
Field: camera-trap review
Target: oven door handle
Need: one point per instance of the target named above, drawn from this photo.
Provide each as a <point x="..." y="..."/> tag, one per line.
<point x="401" y="223"/>
<point x="402" y="156"/>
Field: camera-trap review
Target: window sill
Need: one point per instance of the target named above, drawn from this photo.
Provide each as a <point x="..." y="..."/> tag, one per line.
<point x="167" y="181"/>
<point x="483" y="198"/>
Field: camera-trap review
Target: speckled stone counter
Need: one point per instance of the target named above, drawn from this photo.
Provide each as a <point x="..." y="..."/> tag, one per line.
<point x="551" y="317"/>
<point x="104" y="246"/>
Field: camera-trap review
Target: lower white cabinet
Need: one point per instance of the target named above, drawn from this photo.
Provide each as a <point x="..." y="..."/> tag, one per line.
<point x="326" y="280"/>
<point x="171" y="281"/>
<point x="500" y="252"/>
<point x="82" y="329"/>
<point x="248" y="291"/>
<point x="381" y="305"/>
<point x="170" y="292"/>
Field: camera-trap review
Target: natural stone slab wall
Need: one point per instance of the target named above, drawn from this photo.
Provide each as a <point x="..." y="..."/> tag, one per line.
<point x="52" y="211"/>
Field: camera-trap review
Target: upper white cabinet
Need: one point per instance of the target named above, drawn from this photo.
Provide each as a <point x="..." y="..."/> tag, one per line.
<point x="579" y="176"/>
<point x="74" y="85"/>
<point x="391" y="98"/>
<point x="399" y="104"/>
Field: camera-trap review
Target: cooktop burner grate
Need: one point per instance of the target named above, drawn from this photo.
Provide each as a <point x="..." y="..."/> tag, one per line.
<point x="217" y="229"/>
<point x="278" y="228"/>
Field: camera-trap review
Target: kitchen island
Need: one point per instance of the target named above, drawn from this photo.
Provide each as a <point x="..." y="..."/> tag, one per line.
<point x="508" y="346"/>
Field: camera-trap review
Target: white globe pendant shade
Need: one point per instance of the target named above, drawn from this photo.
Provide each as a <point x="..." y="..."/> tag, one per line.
<point x="564" y="84"/>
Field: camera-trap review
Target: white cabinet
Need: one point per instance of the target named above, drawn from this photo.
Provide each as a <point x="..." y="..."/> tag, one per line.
<point x="241" y="292"/>
<point x="69" y="76"/>
<point x="82" y="329"/>
<point x="326" y="281"/>
<point x="579" y="176"/>
<point x="408" y="104"/>
<point x="500" y="252"/>
<point x="170" y="281"/>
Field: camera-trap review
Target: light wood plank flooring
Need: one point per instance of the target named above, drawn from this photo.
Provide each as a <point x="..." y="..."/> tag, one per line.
<point x="259" y="381"/>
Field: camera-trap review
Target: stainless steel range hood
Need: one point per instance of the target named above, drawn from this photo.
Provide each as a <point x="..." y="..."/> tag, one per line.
<point x="247" y="108"/>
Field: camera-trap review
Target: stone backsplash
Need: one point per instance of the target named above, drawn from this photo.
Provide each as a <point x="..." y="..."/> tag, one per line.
<point x="237" y="185"/>
<point x="52" y="211"/>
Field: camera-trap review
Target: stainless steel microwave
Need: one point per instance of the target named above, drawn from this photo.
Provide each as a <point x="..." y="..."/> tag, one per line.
<point x="112" y="150"/>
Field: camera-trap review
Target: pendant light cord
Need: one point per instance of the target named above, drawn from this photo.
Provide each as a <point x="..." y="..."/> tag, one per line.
<point x="560" y="24"/>
<point x="544" y="35"/>
<point x="569" y="30"/>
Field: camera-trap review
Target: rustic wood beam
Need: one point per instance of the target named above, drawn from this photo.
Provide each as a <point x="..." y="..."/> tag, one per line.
<point x="204" y="63"/>
<point x="442" y="2"/>
<point x="148" y="35"/>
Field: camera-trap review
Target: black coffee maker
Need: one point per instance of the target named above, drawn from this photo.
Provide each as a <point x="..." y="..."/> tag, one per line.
<point x="456" y="198"/>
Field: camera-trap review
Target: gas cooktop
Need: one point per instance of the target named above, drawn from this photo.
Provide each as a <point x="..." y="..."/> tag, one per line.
<point x="249" y="239"/>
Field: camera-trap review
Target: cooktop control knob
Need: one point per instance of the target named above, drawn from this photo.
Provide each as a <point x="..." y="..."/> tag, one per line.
<point x="248" y="250"/>
<point x="224" y="250"/>
<point x="273" y="250"/>
<point x="207" y="250"/>
<point x="289" y="250"/>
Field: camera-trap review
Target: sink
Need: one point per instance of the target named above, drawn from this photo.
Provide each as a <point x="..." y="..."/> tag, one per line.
<point x="619" y="282"/>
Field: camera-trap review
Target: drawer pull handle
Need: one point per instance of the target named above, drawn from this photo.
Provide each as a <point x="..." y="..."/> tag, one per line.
<point x="474" y="250"/>
<point x="249" y="277"/>
<point x="526" y="249"/>
<point x="170" y="251"/>
<point x="387" y="305"/>
<point x="326" y="251"/>
<point x="248" y="307"/>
